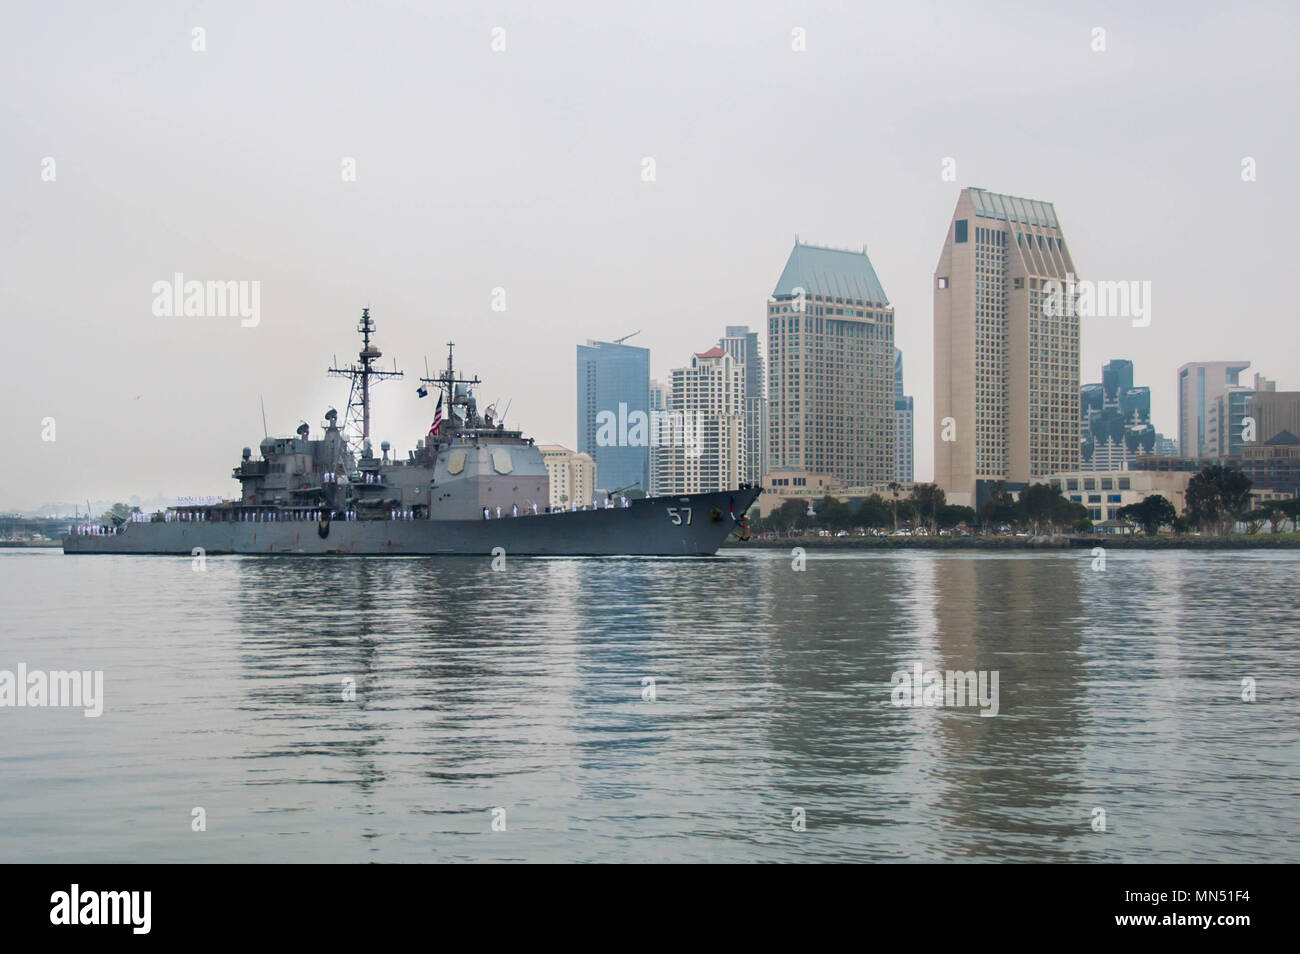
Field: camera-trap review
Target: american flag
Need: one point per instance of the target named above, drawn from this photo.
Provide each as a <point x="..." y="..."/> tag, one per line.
<point x="436" y="429"/>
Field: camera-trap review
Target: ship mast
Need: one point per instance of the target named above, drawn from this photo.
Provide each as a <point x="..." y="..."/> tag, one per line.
<point x="361" y="375"/>
<point x="447" y="381"/>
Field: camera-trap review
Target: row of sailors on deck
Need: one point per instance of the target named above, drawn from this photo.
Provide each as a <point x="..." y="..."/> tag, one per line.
<point x="514" y="511"/>
<point x="572" y="508"/>
<point x="240" y="516"/>
<point x="274" y="516"/>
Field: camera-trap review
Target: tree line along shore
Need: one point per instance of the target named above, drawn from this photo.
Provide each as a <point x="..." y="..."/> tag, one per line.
<point x="1220" y="511"/>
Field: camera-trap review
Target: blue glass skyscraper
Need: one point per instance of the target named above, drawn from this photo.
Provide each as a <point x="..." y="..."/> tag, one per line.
<point x="613" y="397"/>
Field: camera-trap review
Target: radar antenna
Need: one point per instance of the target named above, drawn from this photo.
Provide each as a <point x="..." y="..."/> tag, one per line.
<point x="361" y="375"/>
<point x="447" y="382"/>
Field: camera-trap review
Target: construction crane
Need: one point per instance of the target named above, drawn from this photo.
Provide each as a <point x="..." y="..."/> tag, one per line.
<point x="625" y="337"/>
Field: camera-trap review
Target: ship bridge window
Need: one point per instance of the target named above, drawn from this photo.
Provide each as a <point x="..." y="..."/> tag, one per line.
<point x="501" y="461"/>
<point x="456" y="461"/>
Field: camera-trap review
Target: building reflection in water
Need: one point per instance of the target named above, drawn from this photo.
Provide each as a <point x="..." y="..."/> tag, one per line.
<point x="525" y="688"/>
<point x="1012" y="783"/>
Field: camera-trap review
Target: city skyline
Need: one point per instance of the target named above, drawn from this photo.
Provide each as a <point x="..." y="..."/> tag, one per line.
<point x="578" y="229"/>
<point x="739" y="341"/>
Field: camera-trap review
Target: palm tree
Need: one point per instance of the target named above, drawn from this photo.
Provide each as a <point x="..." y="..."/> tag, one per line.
<point x="927" y="499"/>
<point x="894" y="488"/>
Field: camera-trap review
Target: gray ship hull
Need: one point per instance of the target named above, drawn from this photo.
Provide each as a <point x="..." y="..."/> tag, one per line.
<point x="691" y="525"/>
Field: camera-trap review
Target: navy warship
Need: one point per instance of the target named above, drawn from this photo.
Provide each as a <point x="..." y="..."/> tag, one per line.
<point x="471" y="486"/>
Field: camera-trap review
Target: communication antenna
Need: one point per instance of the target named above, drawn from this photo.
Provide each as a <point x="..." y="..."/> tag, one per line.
<point x="263" y="400"/>
<point x="447" y="382"/>
<point x="361" y="374"/>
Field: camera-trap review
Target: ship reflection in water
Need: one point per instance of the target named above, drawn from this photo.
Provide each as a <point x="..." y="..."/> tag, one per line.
<point x="528" y="689"/>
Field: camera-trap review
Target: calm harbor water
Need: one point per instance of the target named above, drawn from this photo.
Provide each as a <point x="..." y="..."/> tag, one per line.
<point x="523" y="689"/>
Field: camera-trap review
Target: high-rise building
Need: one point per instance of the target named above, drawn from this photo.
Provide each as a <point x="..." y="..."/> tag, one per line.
<point x="830" y="356"/>
<point x="572" y="476"/>
<point x="1006" y="368"/>
<point x="904" y="415"/>
<point x="701" y="445"/>
<point x="1114" y="420"/>
<point x="1224" y="421"/>
<point x="1273" y="412"/>
<point x="1199" y="386"/>
<point x="658" y="408"/>
<point x="613" y="412"/>
<point x="658" y="396"/>
<point x="742" y="345"/>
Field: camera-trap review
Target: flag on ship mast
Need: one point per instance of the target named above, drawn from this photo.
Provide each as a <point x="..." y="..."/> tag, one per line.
<point x="436" y="429"/>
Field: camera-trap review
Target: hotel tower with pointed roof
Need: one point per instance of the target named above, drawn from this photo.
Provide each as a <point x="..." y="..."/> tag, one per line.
<point x="830" y="340"/>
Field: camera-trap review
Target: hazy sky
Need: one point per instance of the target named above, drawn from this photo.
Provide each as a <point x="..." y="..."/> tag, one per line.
<point x="522" y="170"/>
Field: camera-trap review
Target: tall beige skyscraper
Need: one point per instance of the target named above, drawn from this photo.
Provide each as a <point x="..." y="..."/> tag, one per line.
<point x="1006" y="369"/>
<point x="830" y="358"/>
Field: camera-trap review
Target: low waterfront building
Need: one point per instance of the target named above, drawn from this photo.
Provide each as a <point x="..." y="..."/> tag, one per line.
<point x="1272" y="465"/>
<point x="1104" y="493"/>
<point x="572" y="475"/>
<point x="810" y="486"/>
<point x="790" y="483"/>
